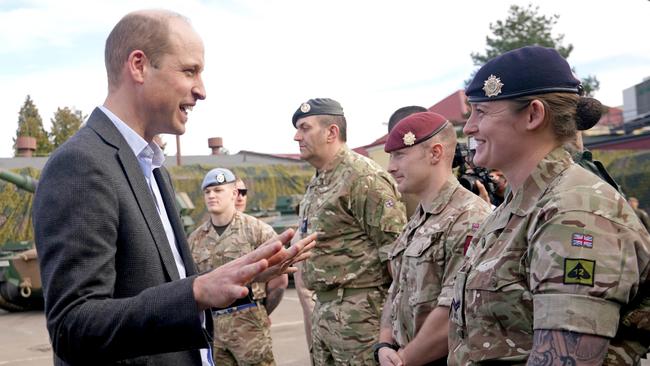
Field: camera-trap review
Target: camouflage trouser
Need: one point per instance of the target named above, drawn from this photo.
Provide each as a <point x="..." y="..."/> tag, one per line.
<point x="243" y="338"/>
<point x="345" y="328"/>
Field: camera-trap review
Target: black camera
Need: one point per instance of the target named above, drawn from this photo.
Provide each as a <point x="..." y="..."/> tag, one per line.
<point x="469" y="174"/>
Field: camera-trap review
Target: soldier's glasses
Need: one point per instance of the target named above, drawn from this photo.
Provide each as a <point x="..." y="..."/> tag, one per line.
<point x="242" y="192"/>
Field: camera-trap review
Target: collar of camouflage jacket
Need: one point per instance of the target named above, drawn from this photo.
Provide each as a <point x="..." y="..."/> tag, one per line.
<point x="443" y="197"/>
<point x="234" y="224"/>
<point x="323" y="176"/>
<point x="525" y="199"/>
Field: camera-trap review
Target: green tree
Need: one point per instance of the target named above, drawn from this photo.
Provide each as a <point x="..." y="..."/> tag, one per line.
<point x="64" y="124"/>
<point x="31" y="124"/>
<point x="524" y="26"/>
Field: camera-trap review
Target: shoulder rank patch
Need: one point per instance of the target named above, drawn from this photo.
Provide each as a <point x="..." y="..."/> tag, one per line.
<point x="581" y="240"/>
<point x="579" y="271"/>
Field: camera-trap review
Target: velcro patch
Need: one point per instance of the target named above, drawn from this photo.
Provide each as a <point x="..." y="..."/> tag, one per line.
<point x="579" y="271"/>
<point x="582" y="240"/>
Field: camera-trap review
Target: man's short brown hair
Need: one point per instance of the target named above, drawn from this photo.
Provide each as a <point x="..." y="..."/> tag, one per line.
<point x="327" y="120"/>
<point x="147" y="31"/>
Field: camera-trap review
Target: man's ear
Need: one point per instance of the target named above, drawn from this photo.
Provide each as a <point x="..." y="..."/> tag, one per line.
<point x="136" y="65"/>
<point x="333" y="133"/>
<point x="435" y="152"/>
<point x="535" y="115"/>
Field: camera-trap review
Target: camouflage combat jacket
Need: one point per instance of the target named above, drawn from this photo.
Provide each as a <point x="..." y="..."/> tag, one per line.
<point x="356" y="208"/>
<point x="564" y="252"/>
<point x="427" y="255"/>
<point x="242" y="236"/>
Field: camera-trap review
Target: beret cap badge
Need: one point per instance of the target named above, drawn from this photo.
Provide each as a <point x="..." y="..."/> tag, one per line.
<point x="221" y="178"/>
<point x="305" y="107"/>
<point x="492" y="86"/>
<point x="409" y="138"/>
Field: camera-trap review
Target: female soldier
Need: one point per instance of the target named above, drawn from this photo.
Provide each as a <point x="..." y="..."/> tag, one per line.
<point x="558" y="274"/>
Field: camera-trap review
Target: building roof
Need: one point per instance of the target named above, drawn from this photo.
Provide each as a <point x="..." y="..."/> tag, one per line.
<point x="454" y="107"/>
<point x="242" y="158"/>
<point x="637" y="141"/>
<point x="613" y="118"/>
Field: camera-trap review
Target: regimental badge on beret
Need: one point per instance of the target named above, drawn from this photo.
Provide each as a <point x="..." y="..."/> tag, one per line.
<point x="409" y="138"/>
<point x="221" y="178"/>
<point x="305" y="107"/>
<point x="492" y="86"/>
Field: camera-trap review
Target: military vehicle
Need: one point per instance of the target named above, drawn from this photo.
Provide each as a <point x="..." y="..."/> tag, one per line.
<point x="284" y="216"/>
<point x="20" y="278"/>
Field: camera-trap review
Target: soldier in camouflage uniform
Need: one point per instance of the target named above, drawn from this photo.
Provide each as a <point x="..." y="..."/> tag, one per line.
<point x="559" y="273"/>
<point x="242" y="334"/>
<point x="354" y="206"/>
<point x="428" y="253"/>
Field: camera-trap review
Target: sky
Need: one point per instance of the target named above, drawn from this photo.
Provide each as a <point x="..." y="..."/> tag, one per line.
<point x="263" y="58"/>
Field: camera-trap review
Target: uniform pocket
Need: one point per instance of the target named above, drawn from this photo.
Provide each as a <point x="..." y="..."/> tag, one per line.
<point x="499" y="307"/>
<point x="425" y="259"/>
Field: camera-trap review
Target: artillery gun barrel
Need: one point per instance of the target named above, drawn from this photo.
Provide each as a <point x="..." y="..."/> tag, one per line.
<point x="24" y="182"/>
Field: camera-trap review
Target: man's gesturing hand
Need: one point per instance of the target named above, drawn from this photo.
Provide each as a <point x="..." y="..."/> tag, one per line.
<point x="283" y="261"/>
<point x="223" y="285"/>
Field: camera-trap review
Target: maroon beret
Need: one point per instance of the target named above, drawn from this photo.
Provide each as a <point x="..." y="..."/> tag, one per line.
<point x="414" y="129"/>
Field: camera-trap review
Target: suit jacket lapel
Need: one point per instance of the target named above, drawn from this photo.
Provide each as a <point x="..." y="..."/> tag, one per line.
<point x="166" y="192"/>
<point x="101" y="124"/>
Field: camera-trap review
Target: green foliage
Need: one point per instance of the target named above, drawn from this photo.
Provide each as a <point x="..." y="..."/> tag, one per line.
<point x="16" y="210"/>
<point x="31" y="124"/>
<point x="590" y="85"/>
<point x="64" y="124"/>
<point x="524" y="26"/>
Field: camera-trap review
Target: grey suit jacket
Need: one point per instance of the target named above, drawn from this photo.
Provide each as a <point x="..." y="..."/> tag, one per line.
<point x="112" y="290"/>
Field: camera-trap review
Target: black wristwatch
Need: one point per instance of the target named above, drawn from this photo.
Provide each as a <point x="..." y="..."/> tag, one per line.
<point x="378" y="346"/>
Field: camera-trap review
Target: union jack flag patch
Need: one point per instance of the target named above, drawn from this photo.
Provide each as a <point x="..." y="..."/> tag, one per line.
<point x="581" y="240"/>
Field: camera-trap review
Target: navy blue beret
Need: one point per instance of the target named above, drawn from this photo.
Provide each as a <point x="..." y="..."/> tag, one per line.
<point x="317" y="106"/>
<point x="524" y="71"/>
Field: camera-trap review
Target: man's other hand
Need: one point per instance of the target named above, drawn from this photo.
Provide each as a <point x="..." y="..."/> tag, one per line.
<point x="223" y="285"/>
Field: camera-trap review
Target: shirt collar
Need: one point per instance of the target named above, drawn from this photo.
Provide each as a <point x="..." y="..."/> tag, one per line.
<point x="150" y="155"/>
<point x="546" y="171"/>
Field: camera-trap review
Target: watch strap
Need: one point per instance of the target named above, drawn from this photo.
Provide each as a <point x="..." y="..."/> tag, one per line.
<point x="381" y="345"/>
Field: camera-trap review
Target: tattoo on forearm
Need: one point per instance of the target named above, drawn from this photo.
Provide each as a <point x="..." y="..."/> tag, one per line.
<point x="557" y="347"/>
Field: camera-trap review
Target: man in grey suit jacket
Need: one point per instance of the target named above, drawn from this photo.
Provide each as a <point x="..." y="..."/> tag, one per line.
<point x="119" y="282"/>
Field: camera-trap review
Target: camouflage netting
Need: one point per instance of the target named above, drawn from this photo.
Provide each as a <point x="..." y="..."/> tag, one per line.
<point x="265" y="184"/>
<point x="16" y="210"/>
<point x="630" y="169"/>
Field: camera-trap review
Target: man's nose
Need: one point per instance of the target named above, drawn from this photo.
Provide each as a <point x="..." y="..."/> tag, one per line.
<point x="199" y="90"/>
